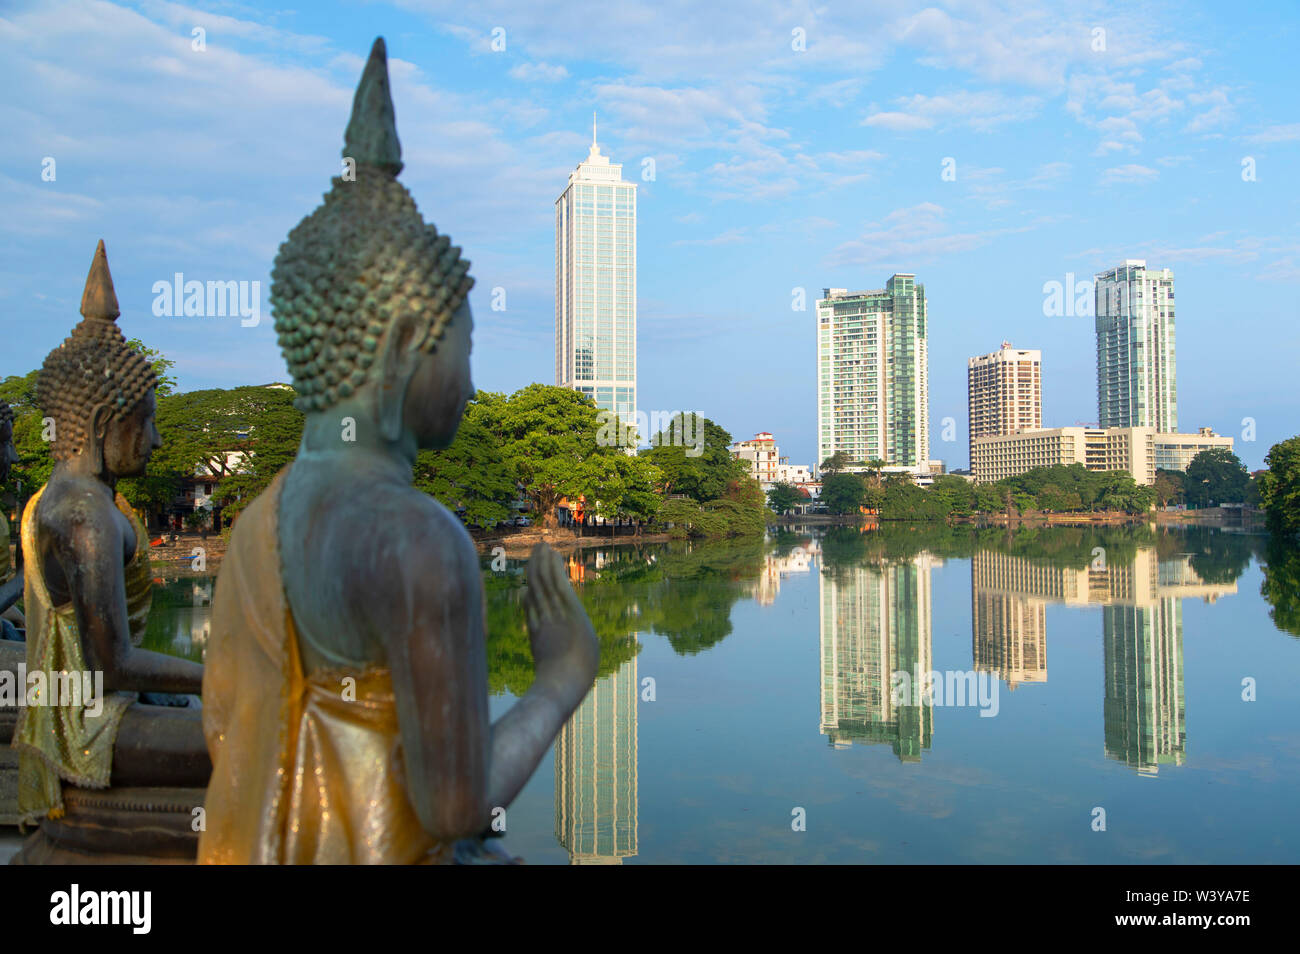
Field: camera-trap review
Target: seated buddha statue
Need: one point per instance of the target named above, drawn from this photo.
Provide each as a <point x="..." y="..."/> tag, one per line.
<point x="345" y="693"/>
<point x="87" y="583"/>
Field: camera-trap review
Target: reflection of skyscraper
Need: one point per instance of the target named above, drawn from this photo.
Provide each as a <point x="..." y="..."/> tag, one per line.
<point x="1144" y="706"/>
<point x="875" y="621"/>
<point x="1142" y="627"/>
<point x="596" y="773"/>
<point x="1009" y="635"/>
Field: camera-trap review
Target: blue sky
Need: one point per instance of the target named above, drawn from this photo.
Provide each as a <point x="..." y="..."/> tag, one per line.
<point x="775" y="169"/>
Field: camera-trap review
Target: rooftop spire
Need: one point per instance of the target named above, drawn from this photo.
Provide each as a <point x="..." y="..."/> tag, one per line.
<point x="99" y="300"/>
<point x="371" y="136"/>
<point x="593" y="129"/>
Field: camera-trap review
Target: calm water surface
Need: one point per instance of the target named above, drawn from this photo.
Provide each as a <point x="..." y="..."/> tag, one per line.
<point x="744" y="687"/>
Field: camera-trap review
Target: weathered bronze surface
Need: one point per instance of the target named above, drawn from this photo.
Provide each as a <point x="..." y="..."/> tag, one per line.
<point x="345" y="695"/>
<point x="87" y="595"/>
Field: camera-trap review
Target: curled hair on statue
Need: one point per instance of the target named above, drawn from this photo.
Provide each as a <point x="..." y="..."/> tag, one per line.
<point x="362" y="262"/>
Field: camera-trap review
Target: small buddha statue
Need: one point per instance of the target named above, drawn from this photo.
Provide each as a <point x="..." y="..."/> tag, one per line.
<point x="11" y="577"/>
<point x="88" y="578"/>
<point x="345" y="694"/>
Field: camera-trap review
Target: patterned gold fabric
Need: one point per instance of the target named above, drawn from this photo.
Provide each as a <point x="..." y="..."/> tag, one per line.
<point x="68" y="742"/>
<point x="300" y="775"/>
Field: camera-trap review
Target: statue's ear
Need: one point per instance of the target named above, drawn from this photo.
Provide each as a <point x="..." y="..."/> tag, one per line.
<point x="97" y="429"/>
<point x="397" y="362"/>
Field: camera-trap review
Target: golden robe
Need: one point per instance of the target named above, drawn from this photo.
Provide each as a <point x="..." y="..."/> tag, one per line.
<point x="66" y="742"/>
<point x="300" y="774"/>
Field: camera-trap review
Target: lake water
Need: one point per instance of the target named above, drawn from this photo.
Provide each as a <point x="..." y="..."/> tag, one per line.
<point x="1130" y="700"/>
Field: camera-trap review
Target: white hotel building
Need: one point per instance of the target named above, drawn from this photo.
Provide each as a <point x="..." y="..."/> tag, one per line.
<point x="595" y="283"/>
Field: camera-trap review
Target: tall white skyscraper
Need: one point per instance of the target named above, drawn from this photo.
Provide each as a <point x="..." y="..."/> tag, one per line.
<point x="1136" y="381"/>
<point x="595" y="283"/>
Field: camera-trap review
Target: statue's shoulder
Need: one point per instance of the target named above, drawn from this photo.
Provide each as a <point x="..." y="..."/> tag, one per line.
<point x="72" y="502"/>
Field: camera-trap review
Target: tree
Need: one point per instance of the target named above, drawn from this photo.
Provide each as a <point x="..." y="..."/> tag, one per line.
<point x="471" y="475"/>
<point x="1279" y="488"/>
<point x="238" y="438"/>
<point x="843" y="493"/>
<point x="784" y="497"/>
<point x="702" y="476"/>
<point x="162" y="367"/>
<point x="1169" y="487"/>
<point x="835" y="464"/>
<point x="1218" y="476"/>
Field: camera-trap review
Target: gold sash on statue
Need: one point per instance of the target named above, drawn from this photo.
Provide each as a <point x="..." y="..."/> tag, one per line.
<point x="301" y="774"/>
<point x="69" y="742"/>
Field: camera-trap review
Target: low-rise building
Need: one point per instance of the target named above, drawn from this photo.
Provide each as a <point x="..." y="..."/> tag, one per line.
<point x="767" y="466"/>
<point x="1138" y="450"/>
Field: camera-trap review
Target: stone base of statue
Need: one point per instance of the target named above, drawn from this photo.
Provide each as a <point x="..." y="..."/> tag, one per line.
<point x="118" y="826"/>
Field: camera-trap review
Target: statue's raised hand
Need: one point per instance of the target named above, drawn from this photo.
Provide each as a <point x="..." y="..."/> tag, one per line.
<point x="565" y="649"/>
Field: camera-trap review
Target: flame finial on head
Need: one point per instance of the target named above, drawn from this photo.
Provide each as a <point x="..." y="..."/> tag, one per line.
<point x="371" y="136"/>
<point x="98" y="300"/>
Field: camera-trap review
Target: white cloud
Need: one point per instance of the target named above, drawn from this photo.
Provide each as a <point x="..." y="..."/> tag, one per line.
<point x="538" y="72"/>
<point x="1129" y="173"/>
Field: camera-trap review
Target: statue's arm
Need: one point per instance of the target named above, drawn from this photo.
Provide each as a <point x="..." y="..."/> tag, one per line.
<point x="432" y="621"/>
<point x="459" y="768"/>
<point x="90" y="555"/>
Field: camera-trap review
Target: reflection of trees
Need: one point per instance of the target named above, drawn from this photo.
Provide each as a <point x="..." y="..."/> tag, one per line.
<point x="1281" y="586"/>
<point x="1218" y="557"/>
<point x="510" y="659"/>
<point x="682" y="591"/>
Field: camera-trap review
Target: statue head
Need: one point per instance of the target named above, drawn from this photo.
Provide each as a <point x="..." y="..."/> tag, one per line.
<point x="98" y="390"/>
<point x="369" y="300"/>
<point x="8" y="456"/>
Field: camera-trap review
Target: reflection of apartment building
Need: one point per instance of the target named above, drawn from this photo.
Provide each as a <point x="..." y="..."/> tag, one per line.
<point x="875" y="621"/>
<point x="1009" y="637"/>
<point x="776" y="568"/>
<point x="596" y="812"/>
<point x="1142" y="628"/>
<point x="1140" y="451"/>
<point x="1144" y="708"/>
<point x="1004" y="392"/>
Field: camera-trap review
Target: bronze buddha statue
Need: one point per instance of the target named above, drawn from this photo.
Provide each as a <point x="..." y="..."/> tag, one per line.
<point x="345" y="694"/>
<point x="87" y="586"/>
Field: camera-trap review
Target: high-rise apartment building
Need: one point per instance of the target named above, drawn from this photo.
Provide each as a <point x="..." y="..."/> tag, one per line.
<point x="595" y="283"/>
<point x="1004" y="392"/>
<point x="872" y="375"/>
<point x="1136" y="380"/>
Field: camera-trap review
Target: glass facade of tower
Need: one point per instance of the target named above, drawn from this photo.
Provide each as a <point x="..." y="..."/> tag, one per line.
<point x="875" y="622"/>
<point x="595" y="284"/>
<point x="1136" y="379"/>
<point x="872" y="374"/>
